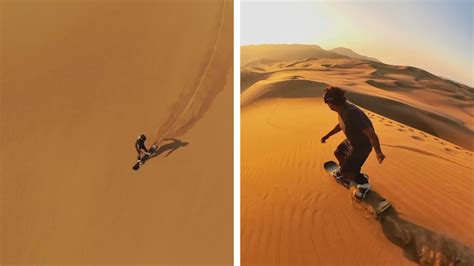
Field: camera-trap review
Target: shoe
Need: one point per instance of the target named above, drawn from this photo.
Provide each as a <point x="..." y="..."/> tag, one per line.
<point x="361" y="190"/>
<point x="337" y="174"/>
<point x="340" y="178"/>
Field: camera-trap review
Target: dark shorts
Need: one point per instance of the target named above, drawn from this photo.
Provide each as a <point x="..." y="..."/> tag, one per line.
<point x="353" y="158"/>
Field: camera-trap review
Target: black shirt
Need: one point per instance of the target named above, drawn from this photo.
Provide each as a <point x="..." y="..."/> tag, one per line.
<point x="353" y="121"/>
<point x="140" y="145"/>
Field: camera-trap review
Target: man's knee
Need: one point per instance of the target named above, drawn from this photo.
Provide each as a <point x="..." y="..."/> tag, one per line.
<point x="340" y="157"/>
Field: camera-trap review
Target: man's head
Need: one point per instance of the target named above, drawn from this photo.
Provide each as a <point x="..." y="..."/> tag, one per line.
<point x="334" y="97"/>
<point x="142" y="137"/>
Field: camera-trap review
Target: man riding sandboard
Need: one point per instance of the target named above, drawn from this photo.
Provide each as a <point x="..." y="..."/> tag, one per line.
<point x="154" y="151"/>
<point x="140" y="146"/>
<point x="360" y="139"/>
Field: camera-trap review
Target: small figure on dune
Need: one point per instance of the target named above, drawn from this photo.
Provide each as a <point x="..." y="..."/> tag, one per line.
<point x="360" y="139"/>
<point x="140" y="146"/>
<point x="144" y="154"/>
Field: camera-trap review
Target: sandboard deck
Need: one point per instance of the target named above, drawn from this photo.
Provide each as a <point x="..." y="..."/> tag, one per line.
<point x="373" y="203"/>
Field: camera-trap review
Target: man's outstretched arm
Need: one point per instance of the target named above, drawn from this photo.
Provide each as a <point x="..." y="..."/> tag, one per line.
<point x="335" y="130"/>
<point x="374" y="140"/>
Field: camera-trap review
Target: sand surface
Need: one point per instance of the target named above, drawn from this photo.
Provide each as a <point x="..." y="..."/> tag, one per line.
<point x="80" y="81"/>
<point x="293" y="213"/>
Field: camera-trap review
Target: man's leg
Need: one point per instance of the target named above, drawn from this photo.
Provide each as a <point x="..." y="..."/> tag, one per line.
<point x="349" y="176"/>
<point x="342" y="151"/>
<point x="351" y="170"/>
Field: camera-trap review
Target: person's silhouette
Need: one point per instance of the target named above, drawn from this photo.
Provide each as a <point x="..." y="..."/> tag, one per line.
<point x="140" y="146"/>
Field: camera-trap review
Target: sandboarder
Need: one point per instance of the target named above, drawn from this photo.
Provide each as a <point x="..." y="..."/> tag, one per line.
<point x="147" y="155"/>
<point x="360" y="138"/>
<point x="155" y="150"/>
<point x="140" y="146"/>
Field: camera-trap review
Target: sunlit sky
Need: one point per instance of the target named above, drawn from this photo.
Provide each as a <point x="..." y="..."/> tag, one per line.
<point x="433" y="35"/>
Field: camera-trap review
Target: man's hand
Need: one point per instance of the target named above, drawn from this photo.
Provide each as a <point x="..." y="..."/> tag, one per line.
<point x="380" y="157"/>
<point x="323" y="140"/>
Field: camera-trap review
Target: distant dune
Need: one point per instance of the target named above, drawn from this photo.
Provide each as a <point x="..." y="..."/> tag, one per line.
<point x="407" y="94"/>
<point x="292" y="213"/>
<point x="351" y="54"/>
<point x="283" y="52"/>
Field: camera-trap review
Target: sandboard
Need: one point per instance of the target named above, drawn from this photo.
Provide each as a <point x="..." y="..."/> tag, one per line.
<point x="141" y="162"/>
<point x="148" y="155"/>
<point x="136" y="166"/>
<point x="372" y="203"/>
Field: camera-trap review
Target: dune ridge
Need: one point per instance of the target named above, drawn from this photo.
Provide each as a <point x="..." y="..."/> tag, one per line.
<point x="410" y="95"/>
<point x="351" y="54"/>
<point x="283" y="52"/>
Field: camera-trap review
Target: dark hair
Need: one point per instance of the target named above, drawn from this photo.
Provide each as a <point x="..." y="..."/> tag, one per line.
<point x="334" y="95"/>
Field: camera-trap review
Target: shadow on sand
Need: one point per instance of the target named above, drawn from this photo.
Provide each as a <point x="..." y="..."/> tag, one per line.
<point x="170" y="147"/>
<point x="422" y="245"/>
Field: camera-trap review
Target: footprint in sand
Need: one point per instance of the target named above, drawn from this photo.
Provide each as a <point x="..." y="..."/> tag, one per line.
<point x="436" y="139"/>
<point x="417" y="138"/>
<point x="447" y="149"/>
<point x="458" y="148"/>
<point x="401" y="129"/>
<point x="411" y="129"/>
<point x="388" y="125"/>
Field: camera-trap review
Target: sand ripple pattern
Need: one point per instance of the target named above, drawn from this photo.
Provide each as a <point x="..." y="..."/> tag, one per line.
<point x="292" y="213"/>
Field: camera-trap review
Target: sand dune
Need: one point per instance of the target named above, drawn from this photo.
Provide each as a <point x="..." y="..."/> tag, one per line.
<point x="80" y="81"/>
<point x="351" y="54"/>
<point x="410" y="95"/>
<point x="283" y="52"/>
<point x="293" y="213"/>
